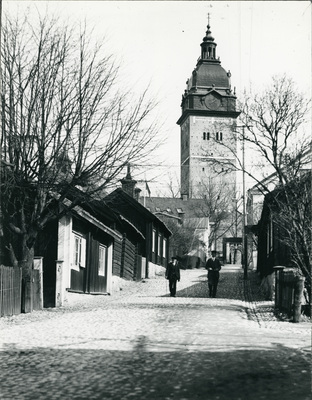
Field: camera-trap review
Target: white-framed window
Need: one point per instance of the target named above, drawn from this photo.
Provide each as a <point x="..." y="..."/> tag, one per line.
<point x="102" y="260"/>
<point x="164" y="247"/>
<point x="79" y="250"/>
<point x="154" y="241"/>
<point x="159" y="245"/>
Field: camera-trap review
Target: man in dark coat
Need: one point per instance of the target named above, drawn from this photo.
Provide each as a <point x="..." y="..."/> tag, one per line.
<point x="173" y="275"/>
<point x="214" y="266"/>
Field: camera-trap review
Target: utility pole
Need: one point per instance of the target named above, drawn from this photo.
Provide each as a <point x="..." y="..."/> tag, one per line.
<point x="1" y="132"/>
<point x="244" y="210"/>
<point x="244" y="244"/>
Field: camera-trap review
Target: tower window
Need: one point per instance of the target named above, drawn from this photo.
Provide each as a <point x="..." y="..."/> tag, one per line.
<point x="206" y="135"/>
<point x="219" y="136"/>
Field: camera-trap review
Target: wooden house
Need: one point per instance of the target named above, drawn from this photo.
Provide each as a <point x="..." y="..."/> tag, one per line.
<point x="95" y="247"/>
<point x="271" y="249"/>
<point x="141" y="257"/>
<point x="77" y="253"/>
<point x="284" y="230"/>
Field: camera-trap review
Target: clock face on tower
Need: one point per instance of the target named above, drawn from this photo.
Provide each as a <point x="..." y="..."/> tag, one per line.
<point x="212" y="103"/>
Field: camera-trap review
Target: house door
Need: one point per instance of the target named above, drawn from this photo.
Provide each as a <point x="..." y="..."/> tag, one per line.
<point x="97" y="268"/>
<point x="79" y="271"/>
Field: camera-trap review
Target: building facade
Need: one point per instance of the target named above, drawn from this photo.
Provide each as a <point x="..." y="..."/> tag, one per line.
<point x="208" y="123"/>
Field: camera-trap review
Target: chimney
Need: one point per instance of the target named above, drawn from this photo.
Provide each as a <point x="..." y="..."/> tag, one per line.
<point x="128" y="184"/>
<point x="184" y="197"/>
<point x="137" y="192"/>
<point x="181" y="216"/>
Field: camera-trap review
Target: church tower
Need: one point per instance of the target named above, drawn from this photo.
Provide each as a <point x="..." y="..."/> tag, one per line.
<point x="207" y="124"/>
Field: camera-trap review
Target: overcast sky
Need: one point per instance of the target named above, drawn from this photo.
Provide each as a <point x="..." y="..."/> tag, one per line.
<point x="158" y="43"/>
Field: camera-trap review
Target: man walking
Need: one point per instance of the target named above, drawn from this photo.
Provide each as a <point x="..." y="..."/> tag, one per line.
<point x="214" y="266"/>
<point x="173" y="275"/>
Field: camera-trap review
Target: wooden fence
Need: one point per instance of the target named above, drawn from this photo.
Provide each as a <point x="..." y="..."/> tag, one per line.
<point x="20" y="295"/>
<point x="10" y="290"/>
<point x="288" y="292"/>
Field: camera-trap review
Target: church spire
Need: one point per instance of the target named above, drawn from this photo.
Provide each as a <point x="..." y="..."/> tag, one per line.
<point x="208" y="46"/>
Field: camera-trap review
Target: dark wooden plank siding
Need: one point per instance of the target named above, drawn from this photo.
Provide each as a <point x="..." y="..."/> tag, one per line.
<point x="101" y="285"/>
<point x="93" y="265"/>
<point x="129" y="259"/>
<point x="77" y="280"/>
<point x="117" y="250"/>
<point x="97" y="283"/>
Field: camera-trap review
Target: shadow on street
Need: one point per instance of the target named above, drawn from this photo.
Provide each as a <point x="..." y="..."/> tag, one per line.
<point x="230" y="286"/>
<point x="141" y="374"/>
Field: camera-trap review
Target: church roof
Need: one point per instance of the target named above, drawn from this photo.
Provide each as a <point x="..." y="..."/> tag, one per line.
<point x="209" y="74"/>
<point x="208" y="77"/>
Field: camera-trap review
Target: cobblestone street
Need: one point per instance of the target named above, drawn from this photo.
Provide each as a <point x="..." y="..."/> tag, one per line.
<point x="142" y="344"/>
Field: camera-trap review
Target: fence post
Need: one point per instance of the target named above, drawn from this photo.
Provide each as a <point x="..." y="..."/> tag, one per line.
<point x="27" y="306"/>
<point x="38" y="265"/>
<point x="59" y="284"/>
<point x="299" y="283"/>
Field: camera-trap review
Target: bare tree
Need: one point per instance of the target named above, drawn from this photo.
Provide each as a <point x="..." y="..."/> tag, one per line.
<point x="291" y="213"/>
<point x="271" y="123"/>
<point x="173" y="185"/>
<point x="65" y="125"/>
<point x="269" y="130"/>
<point x="184" y="236"/>
<point x="219" y="205"/>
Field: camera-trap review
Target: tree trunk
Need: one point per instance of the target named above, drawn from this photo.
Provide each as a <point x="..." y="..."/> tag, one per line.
<point x="13" y="259"/>
<point x="27" y="279"/>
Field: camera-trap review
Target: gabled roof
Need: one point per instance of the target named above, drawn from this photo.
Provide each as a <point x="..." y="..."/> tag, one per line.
<point x="175" y="207"/>
<point x="132" y="226"/>
<point x="96" y="222"/>
<point x="119" y="198"/>
<point x="100" y="214"/>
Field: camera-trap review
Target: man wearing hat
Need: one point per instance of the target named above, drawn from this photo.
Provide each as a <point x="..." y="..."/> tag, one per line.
<point x="173" y="275"/>
<point x="214" y="266"/>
